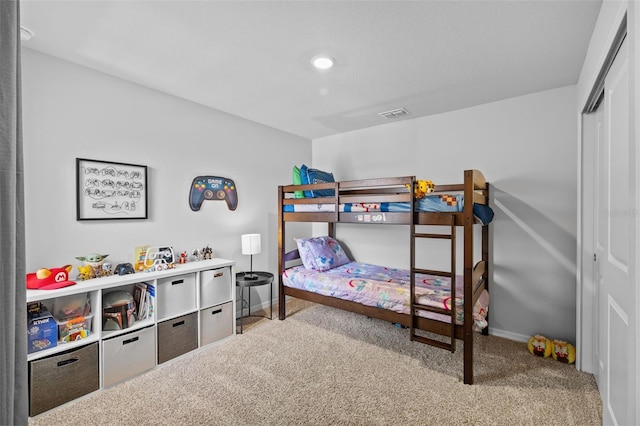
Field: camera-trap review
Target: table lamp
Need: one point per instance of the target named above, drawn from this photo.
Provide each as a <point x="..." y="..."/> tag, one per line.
<point x="251" y="246"/>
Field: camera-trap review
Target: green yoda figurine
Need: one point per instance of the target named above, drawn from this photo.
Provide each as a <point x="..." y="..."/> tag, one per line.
<point x="92" y="267"/>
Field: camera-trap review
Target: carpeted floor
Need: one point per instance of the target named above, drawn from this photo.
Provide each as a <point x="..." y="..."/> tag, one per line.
<point x="323" y="366"/>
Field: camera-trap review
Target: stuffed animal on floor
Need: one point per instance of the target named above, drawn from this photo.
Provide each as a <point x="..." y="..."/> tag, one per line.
<point x="563" y="352"/>
<point x="540" y="346"/>
<point x="558" y="349"/>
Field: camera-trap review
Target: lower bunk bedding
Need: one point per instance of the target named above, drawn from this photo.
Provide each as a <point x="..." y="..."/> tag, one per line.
<point x="386" y="288"/>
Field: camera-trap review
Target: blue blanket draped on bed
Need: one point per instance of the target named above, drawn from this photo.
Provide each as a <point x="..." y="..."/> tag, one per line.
<point x="438" y="203"/>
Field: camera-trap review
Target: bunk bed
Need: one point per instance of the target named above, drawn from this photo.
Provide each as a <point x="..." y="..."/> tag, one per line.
<point x="394" y="201"/>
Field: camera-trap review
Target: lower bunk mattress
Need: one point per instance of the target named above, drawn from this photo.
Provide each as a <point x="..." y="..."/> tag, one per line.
<point x="387" y="288"/>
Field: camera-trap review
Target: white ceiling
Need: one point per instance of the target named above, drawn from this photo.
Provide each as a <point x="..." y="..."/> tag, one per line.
<point x="252" y="58"/>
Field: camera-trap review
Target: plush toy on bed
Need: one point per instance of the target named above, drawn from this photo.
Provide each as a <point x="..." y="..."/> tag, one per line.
<point x="422" y="188"/>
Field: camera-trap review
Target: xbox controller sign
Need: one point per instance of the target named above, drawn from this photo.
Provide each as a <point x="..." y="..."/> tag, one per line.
<point x="212" y="188"/>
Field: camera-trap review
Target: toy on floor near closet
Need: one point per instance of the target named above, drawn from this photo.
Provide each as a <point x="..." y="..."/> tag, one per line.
<point x="558" y="349"/>
<point x="563" y="352"/>
<point x="539" y="345"/>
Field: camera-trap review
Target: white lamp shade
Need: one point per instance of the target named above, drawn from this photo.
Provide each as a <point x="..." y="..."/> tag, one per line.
<point x="251" y="244"/>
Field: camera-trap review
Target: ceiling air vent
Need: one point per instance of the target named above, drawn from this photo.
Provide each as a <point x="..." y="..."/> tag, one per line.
<point x="394" y="113"/>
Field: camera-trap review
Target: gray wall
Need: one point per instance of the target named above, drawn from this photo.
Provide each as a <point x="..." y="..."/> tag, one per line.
<point x="71" y="111"/>
<point x="526" y="147"/>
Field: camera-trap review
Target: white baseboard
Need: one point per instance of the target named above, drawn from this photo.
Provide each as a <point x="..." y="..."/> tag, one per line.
<point x="508" y="335"/>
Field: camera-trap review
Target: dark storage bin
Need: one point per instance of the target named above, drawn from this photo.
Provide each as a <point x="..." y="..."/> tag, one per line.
<point x="63" y="377"/>
<point x="177" y="336"/>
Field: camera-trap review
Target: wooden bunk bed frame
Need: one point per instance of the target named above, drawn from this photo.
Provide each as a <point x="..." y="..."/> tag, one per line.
<point x="399" y="189"/>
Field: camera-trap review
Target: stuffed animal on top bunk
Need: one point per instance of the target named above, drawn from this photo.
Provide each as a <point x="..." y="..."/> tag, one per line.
<point x="422" y="188"/>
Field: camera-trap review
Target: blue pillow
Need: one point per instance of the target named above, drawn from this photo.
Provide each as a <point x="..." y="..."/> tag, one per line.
<point x="310" y="176"/>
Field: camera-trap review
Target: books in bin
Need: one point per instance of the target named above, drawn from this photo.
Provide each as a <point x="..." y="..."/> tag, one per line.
<point x="143" y="295"/>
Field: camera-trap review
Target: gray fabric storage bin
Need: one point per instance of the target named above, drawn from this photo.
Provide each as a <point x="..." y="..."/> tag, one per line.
<point x="127" y="355"/>
<point x="177" y="336"/>
<point x="63" y="377"/>
<point x="175" y="295"/>
<point x="215" y="287"/>
<point x="216" y="323"/>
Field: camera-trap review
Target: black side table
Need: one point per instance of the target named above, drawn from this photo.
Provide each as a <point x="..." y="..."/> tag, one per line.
<point x="243" y="281"/>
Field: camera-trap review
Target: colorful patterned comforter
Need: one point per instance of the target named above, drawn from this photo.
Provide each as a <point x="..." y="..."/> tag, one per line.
<point x="382" y="287"/>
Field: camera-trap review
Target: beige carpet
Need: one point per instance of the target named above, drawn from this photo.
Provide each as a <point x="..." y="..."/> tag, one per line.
<point x="323" y="366"/>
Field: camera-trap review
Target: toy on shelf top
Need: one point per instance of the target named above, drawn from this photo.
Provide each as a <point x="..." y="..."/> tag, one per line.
<point x="94" y="266"/>
<point x="208" y="252"/>
<point x="148" y="258"/>
<point x="202" y="254"/>
<point x="154" y="258"/>
<point x="159" y="258"/>
<point x="50" y="279"/>
<point x="124" y="269"/>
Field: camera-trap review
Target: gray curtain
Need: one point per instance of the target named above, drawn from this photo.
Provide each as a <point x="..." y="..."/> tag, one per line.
<point x="13" y="317"/>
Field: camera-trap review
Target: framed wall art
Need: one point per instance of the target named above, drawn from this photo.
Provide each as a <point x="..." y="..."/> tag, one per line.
<point x="107" y="190"/>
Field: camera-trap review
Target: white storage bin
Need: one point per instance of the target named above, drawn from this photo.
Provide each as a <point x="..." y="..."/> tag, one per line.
<point x="128" y="354"/>
<point x="176" y="295"/>
<point x="216" y="323"/>
<point x="215" y="287"/>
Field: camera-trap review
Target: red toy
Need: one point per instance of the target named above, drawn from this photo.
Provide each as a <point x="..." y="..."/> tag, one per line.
<point x="50" y="279"/>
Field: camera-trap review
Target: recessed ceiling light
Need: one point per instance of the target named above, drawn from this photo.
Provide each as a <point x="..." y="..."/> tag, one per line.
<point x="322" y="62"/>
<point x="25" y="34"/>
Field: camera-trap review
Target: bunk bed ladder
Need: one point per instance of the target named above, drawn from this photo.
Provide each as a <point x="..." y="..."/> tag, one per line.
<point x="416" y="307"/>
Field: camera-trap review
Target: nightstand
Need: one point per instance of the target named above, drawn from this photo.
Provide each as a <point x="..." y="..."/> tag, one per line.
<point x="243" y="281"/>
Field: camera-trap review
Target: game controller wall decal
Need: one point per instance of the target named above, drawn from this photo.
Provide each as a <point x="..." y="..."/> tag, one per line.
<point x="108" y="190"/>
<point x="212" y="188"/>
